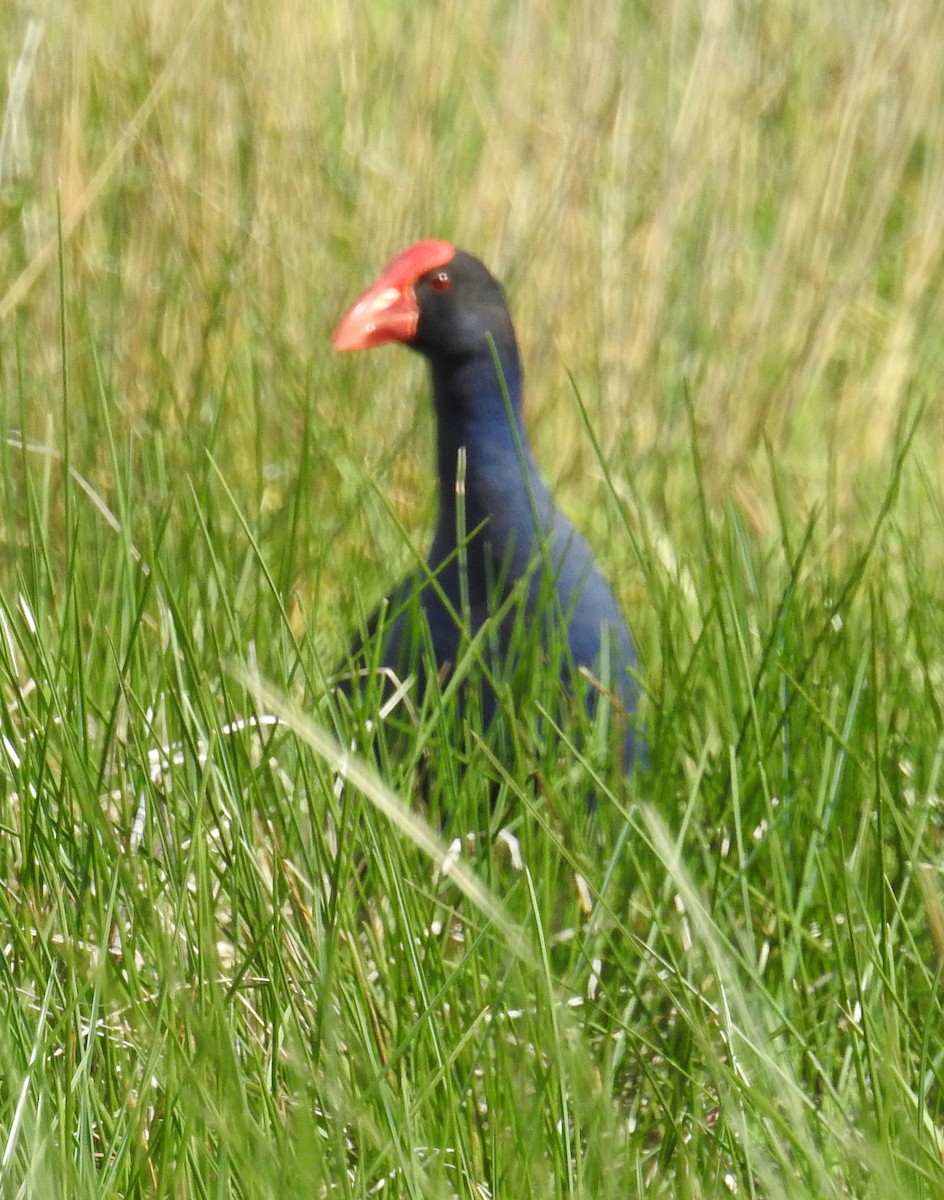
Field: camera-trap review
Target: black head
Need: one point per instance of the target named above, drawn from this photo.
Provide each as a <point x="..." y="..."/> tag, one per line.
<point x="460" y="305"/>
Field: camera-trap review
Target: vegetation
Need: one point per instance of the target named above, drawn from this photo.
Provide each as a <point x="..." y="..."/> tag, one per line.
<point x="236" y="957"/>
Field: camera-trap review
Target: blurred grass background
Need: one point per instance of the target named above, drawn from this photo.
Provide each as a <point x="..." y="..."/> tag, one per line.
<point x="725" y="224"/>
<point x="742" y="206"/>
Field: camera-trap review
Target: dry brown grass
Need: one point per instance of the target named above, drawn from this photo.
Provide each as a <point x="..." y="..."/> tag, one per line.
<point x="740" y="203"/>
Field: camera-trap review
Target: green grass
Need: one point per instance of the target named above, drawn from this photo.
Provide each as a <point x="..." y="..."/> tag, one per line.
<point x="226" y="973"/>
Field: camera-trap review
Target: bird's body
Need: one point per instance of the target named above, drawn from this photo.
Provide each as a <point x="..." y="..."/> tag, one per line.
<point x="501" y="550"/>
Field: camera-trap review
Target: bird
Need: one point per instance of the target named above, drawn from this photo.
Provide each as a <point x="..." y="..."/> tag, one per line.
<point x="502" y="551"/>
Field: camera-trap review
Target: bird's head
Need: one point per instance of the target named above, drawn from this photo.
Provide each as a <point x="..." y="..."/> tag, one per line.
<point x="434" y="298"/>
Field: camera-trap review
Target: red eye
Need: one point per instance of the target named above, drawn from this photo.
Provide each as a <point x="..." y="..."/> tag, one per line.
<point x="441" y="281"/>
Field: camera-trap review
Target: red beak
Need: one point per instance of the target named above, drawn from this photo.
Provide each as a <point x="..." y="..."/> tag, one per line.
<point x="383" y="314"/>
<point x="388" y="311"/>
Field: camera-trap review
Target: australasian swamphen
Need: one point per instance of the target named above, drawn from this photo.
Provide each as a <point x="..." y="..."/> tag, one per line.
<point x="499" y="533"/>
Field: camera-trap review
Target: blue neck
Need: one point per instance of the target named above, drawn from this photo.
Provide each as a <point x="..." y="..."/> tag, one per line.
<point x="479" y="410"/>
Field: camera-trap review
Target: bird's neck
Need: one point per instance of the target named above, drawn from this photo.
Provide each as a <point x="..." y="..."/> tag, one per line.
<point x="478" y="412"/>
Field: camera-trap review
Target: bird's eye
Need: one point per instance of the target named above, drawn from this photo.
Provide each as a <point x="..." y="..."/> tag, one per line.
<point x="441" y="281"/>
